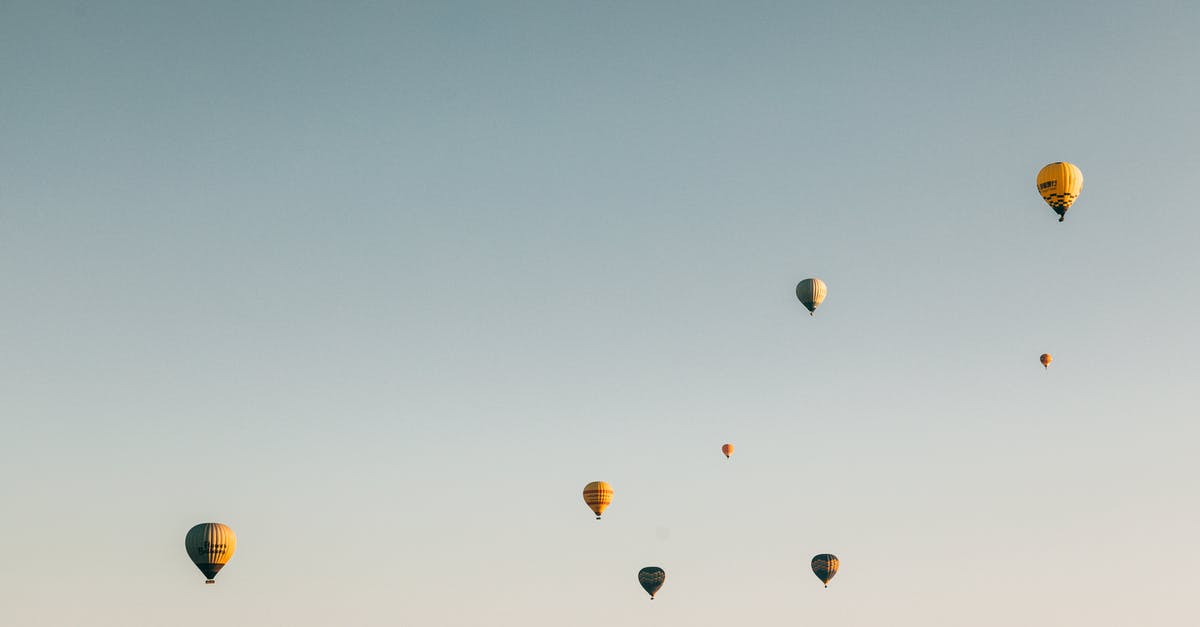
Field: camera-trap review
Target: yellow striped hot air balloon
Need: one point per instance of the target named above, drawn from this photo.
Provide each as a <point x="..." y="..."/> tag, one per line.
<point x="210" y="545"/>
<point x="825" y="566"/>
<point x="1059" y="184"/>
<point x="727" y="449"/>
<point x="598" y="495"/>
<point x="1046" y="359"/>
<point x="811" y="293"/>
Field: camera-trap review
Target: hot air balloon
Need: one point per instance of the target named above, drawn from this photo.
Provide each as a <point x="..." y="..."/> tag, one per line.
<point x="652" y="578"/>
<point x="825" y="566"/>
<point x="1059" y="184"/>
<point x="811" y="292"/>
<point x="210" y="545"/>
<point x="727" y="449"/>
<point x="598" y="495"/>
<point x="1046" y="359"/>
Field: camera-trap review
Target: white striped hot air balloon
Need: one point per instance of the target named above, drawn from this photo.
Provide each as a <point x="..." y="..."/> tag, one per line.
<point x="210" y="545"/>
<point x="811" y="293"/>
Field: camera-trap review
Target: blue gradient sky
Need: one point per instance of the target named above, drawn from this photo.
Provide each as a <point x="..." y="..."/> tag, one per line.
<point x="383" y="286"/>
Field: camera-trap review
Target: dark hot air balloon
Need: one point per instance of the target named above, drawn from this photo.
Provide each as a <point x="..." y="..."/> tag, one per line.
<point x="652" y="578"/>
<point x="811" y="293"/>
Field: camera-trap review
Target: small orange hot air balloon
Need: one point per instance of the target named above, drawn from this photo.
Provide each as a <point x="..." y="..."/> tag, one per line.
<point x="727" y="449"/>
<point x="598" y="495"/>
<point x="1046" y="359"/>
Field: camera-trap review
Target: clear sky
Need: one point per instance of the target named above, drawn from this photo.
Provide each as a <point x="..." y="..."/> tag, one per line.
<point x="383" y="285"/>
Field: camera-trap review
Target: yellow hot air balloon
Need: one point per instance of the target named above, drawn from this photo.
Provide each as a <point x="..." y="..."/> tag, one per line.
<point x="811" y="293"/>
<point x="1059" y="184"/>
<point x="727" y="449"/>
<point x="825" y="566"/>
<point x="1046" y="359"/>
<point x="210" y="545"/>
<point x="598" y="495"/>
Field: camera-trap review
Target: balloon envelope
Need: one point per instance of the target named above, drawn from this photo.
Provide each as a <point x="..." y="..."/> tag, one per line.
<point x="727" y="449"/>
<point x="598" y="495"/>
<point x="651" y="578"/>
<point x="1059" y="183"/>
<point x="1046" y="359"/>
<point x="210" y="545"/>
<point x="825" y="566"/>
<point x="811" y="293"/>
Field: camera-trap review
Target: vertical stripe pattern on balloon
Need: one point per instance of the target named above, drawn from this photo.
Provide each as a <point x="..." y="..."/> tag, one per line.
<point x="811" y="293"/>
<point x="210" y="545"/>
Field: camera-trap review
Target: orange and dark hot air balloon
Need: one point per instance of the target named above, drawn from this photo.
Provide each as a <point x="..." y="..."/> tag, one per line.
<point x="727" y="449"/>
<point x="825" y="566"/>
<point x="1046" y="359"/>
<point x="210" y="545"/>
